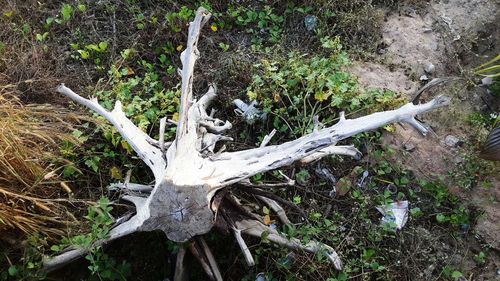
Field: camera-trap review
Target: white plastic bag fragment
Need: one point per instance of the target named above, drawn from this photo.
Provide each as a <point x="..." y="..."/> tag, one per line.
<point x="396" y="212"/>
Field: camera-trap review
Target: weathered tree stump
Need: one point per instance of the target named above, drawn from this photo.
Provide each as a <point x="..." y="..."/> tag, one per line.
<point x="189" y="173"/>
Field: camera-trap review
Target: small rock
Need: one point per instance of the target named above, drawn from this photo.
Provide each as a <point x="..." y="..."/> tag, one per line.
<point x="381" y="51"/>
<point x="458" y="160"/>
<point x="424" y="78"/>
<point x="434" y="46"/>
<point x="427" y="30"/>
<point x="498" y="272"/>
<point x="409" y="147"/>
<point x="452" y="141"/>
<point x="409" y="12"/>
<point x="429" y="68"/>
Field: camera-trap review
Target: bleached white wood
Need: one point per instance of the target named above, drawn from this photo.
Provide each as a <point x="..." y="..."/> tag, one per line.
<point x="137" y="139"/>
<point x="232" y="167"/>
<point x="255" y="228"/>
<point x="244" y="248"/>
<point x="179" y="202"/>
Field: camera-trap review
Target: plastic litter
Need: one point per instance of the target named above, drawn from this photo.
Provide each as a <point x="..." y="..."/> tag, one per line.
<point x="288" y="260"/>
<point x="261" y="277"/>
<point x="361" y="182"/>
<point x="396" y="212"/>
<point x="310" y="22"/>
<point x="325" y="174"/>
<point x="248" y="112"/>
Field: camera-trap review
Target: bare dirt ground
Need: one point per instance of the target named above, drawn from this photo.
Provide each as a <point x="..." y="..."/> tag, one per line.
<point x="439" y="33"/>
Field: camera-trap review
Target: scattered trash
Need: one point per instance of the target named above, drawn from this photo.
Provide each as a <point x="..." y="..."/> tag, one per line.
<point x="248" y="112"/>
<point x="361" y="182"/>
<point x="396" y="212"/>
<point x="325" y="174"/>
<point x="424" y="78"/>
<point x="429" y="68"/>
<point x="465" y="227"/>
<point x="288" y="260"/>
<point x="310" y="22"/>
<point x="391" y="188"/>
<point x="486" y="81"/>
<point x="261" y="277"/>
<point x="342" y="228"/>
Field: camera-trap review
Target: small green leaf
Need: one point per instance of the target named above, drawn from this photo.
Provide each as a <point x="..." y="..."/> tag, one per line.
<point x="12" y="270"/>
<point x="103" y="46"/>
<point x="83" y="54"/>
<point x="55" y="248"/>
<point x="416" y="212"/>
<point x="368" y="253"/>
<point x="66" y="12"/>
<point x="441" y="218"/>
<point x="456" y="275"/>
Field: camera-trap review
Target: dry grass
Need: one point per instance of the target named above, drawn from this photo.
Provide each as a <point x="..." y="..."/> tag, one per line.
<point x="31" y="192"/>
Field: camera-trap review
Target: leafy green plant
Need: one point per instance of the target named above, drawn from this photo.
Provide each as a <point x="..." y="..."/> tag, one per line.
<point x="177" y="20"/>
<point x="95" y="51"/>
<point x="30" y="267"/>
<point x="261" y="24"/>
<point x="295" y="90"/>
<point x="41" y="37"/>
<point x="224" y="47"/>
<point x="66" y="13"/>
<point x="489" y="68"/>
<point x="480" y="258"/>
<point x="102" y="266"/>
<point x="451" y="274"/>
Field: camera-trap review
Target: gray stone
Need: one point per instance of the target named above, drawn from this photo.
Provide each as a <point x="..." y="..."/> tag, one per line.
<point x="409" y="147"/>
<point x="458" y="160"/>
<point x="452" y="141"/>
<point x="430" y="68"/>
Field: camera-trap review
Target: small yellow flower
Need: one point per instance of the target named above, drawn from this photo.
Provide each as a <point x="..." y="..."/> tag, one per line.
<point x="175" y="117"/>
<point x="179" y="48"/>
<point x="390" y="128"/>
<point x="213" y="27"/>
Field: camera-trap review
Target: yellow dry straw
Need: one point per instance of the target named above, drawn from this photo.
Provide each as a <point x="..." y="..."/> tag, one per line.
<point x="29" y="139"/>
